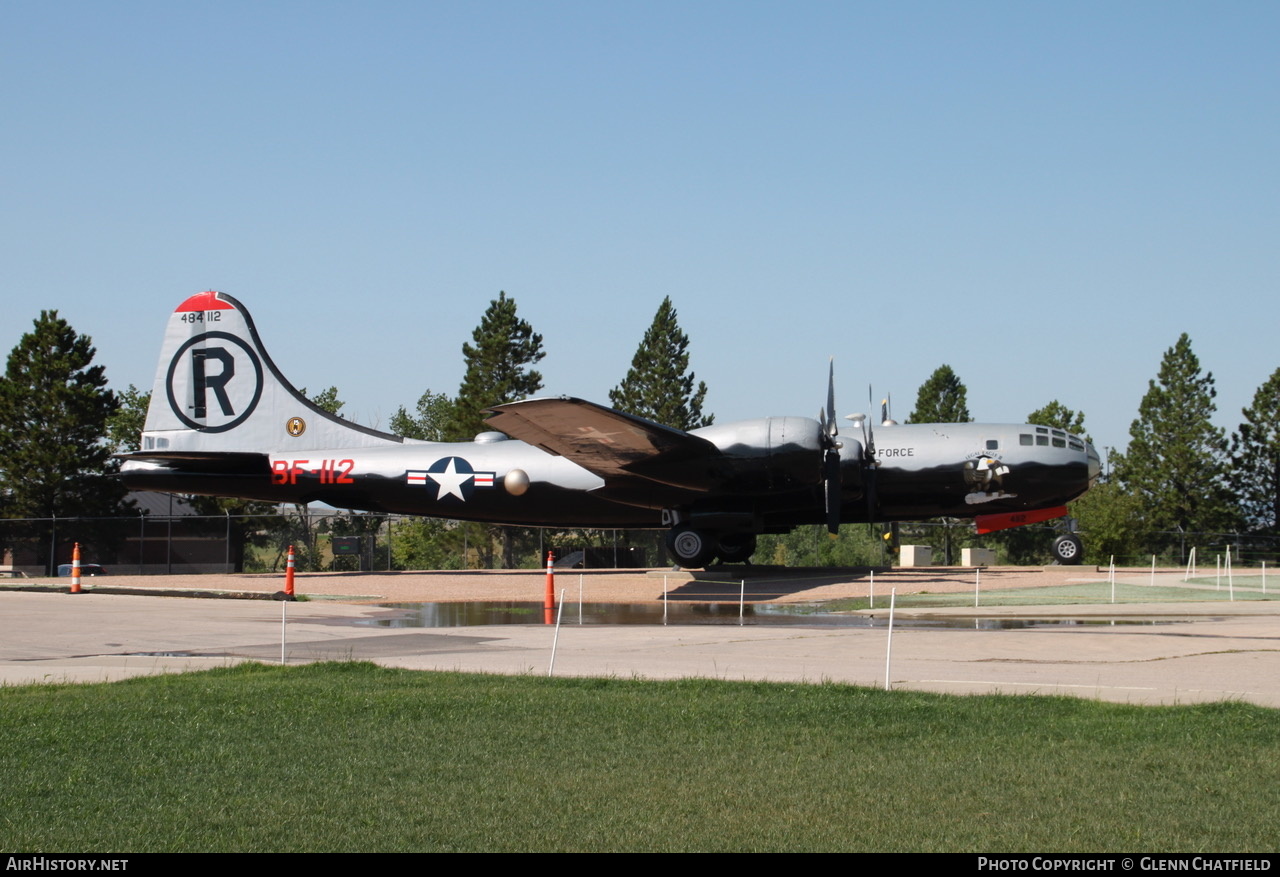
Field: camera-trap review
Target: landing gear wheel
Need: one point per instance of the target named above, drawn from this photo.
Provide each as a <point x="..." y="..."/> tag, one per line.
<point x="691" y="548"/>
<point x="1068" y="550"/>
<point x="737" y="547"/>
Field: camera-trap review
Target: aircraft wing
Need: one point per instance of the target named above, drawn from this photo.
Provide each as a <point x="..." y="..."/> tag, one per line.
<point x="602" y="440"/>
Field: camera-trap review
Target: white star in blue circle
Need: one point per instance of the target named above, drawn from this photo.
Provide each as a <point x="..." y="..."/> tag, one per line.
<point x="454" y="478"/>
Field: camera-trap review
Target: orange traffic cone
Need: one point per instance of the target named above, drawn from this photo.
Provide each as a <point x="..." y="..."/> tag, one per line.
<point x="288" y="575"/>
<point x="549" y="599"/>
<point x="75" y="569"/>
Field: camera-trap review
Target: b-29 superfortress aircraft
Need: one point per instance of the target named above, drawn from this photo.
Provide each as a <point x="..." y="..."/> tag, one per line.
<point x="223" y="421"/>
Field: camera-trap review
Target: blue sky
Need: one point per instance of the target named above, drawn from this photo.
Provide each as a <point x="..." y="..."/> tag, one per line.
<point x="1042" y="195"/>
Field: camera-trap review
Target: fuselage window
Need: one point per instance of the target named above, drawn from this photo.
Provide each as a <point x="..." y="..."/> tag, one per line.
<point x="1025" y="439"/>
<point x="1042" y="440"/>
<point x="993" y="444"/>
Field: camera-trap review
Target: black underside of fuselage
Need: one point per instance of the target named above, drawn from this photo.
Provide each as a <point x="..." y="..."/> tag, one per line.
<point x="900" y="495"/>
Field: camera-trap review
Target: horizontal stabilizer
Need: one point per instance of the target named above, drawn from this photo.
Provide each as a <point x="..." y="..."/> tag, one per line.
<point x="246" y="463"/>
<point x="600" y="440"/>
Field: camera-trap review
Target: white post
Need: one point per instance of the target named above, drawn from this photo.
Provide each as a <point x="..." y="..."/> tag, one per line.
<point x="742" y="600"/>
<point x="664" y="601"/>
<point x="1231" y="585"/>
<point x="1191" y="565"/>
<point x="888" y="651"/>
<point x="580" y="575"/>
<point x="1264" y="576"/>
<point x="871" y="592"/>
<point x="1217" y="573"/>
<point x="1153" y="570"/>
<point x="283" y="604"/>
<point x="555" y="639"/>
<point x="1112" y="576"/>
<point x="977" y="583"/>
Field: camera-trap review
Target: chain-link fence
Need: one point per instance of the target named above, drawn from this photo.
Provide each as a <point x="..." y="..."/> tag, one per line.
<point x="881" y="544"/>
<point x="149" y="544"/>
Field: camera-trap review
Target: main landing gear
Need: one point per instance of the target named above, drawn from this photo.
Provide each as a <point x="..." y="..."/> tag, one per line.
<point x="694" y="548"/>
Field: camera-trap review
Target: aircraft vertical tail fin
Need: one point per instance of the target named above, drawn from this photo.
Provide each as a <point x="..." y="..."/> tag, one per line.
<point x="217" y="390"/>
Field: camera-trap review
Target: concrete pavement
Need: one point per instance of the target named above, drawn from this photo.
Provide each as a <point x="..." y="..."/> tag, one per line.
<point x="1198" y="653"/>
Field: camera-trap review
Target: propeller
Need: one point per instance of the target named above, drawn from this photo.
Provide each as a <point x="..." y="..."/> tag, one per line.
<point x="870" y="433"/>
<point x="831" y="481"/>
<point x="870" y="465"/>
<point x="831" y="470"/>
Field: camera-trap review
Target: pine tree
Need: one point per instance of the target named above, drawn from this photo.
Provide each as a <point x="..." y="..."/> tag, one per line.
<point x="497" y="368"/>
<point x="657" y="386"/>
<point x="326" y="400"/>
<point x="430" y="422"/>
<point x="1176" y="462"/>
<point x="498" y="371"/>
<point x="124" y="427"/>
<point x="1255" y="458"/>
<point x="1059" y="416"/>
<point x="941" y="399"/>
<point x="1111" y="521"/>
<point x="54" y="410"/>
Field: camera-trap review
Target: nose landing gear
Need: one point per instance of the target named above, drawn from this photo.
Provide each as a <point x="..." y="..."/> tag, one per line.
<point x="1068" y="550"/>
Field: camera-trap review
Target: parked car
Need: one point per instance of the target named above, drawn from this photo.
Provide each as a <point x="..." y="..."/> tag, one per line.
<point x="86" y="569"/>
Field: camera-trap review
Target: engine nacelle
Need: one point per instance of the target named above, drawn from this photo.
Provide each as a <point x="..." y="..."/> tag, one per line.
<point x="767" y="454"/>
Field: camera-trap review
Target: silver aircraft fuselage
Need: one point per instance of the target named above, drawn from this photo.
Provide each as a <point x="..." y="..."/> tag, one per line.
<point x="223" y="421"/>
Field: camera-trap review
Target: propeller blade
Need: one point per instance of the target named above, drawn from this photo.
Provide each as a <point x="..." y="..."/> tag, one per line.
<point x="831" y="488"/>
<point x="869" y="462"/>
<point x="869" y="446"/>
<point x="869" y="487"/>
<point x="831" y="396"/>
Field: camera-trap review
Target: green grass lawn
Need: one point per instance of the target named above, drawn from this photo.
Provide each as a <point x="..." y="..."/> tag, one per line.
<point x="355" y="757"/>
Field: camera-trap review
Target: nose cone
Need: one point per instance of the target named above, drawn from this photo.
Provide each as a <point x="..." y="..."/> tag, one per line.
<point x="1095" y="463"/>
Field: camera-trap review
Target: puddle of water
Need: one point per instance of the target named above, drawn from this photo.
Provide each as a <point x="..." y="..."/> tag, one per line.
<point x="483" y="613"/>
<point x="489" y="613"/>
